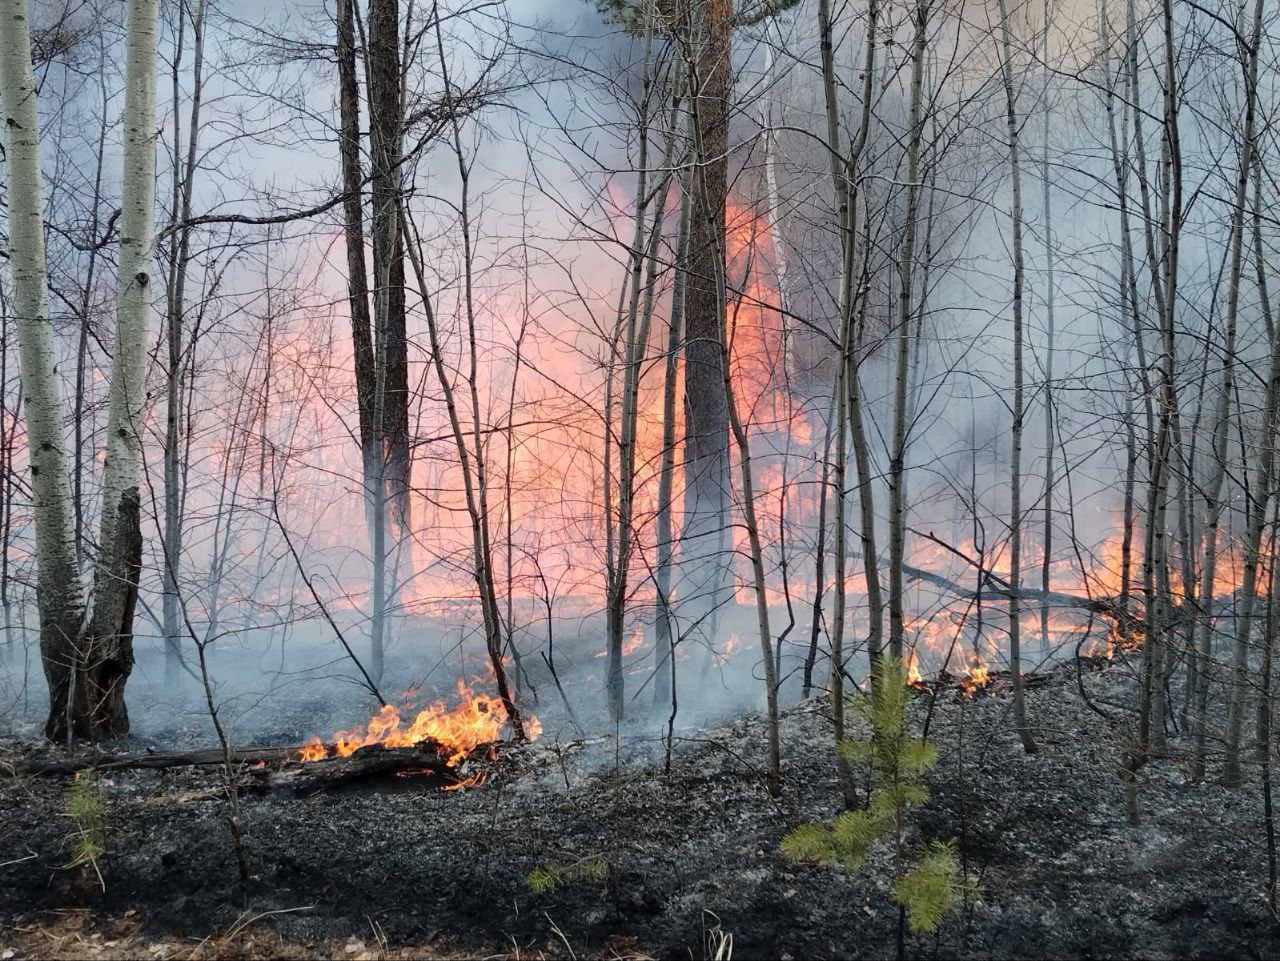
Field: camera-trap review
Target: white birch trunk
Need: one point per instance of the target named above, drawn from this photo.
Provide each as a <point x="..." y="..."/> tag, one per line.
<point x="60" y="596"/>
<point x="137" y="247"/>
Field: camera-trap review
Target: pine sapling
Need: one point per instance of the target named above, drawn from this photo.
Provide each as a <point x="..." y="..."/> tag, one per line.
<point x="928" y="889"/>
<point x="87" y="808"/>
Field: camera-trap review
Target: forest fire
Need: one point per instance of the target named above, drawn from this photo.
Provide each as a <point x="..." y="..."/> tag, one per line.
<point x="477" y="720"/>
<point x="807" y="456"/>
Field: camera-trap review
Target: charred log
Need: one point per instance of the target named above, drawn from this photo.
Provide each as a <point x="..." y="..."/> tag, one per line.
<point x="276" y="766"/>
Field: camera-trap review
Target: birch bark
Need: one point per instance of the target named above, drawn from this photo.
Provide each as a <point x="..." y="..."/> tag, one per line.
<point x="60" y="597"/>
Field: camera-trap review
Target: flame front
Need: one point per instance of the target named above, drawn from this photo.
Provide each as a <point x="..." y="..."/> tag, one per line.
<point x="478" y="719"/>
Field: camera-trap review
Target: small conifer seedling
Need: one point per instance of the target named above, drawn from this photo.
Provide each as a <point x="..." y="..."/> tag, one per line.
<point x="929" y="888"/>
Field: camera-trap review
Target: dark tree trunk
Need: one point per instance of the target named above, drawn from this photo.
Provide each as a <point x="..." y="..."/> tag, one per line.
<point x="353" y="214"/>
<point x="385" y="129"/>
<point x="87" y="700"/>
<point x="706" y="462"/>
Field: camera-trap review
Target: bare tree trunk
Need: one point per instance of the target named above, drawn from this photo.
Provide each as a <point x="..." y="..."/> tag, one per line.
<point x="790" y="365"/>
<point x="665" y="534"/>
<point x="1262" y="744"/>
<point x="87" y="689"/>
<point x="1015" y="457"/>
<point x="1165" y="281"/>
<point x="1261" y="490"/>
<point x="183" y="188"/>
<point x="357" y="276"/>
<point x="1050" y="292"/>
<point x="60" y="598"/>
<point x="619" y="560"/>
<point x="706" y="447"/>
<point x="845" y="179"/>
<point x="820" y="549"/>
<point x="391" y="393"/>
<point x="79" y="413"/>
<point x="6" y="481"/>
<point x="757" y="568"/>
<point x="475" y="479"/>
<point x="902" y="333"/>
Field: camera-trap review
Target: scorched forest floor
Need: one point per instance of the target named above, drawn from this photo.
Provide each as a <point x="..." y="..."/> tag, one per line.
<point x="688" y="856"/>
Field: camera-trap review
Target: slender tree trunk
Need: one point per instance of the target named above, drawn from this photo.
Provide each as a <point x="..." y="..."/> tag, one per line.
<point x="184" y="185"/>
<point x="1129" y="297"/>
<point x="902" y="335"/>
<point x="633" y="353"/>
<point x="357" y="276"/>
<point x="1050" y="292"/>
<point x="1015" y="456"/>
<point x="781" y="261"/>
<point x="1262" y="744"/>
<point x="665" y="529"/>
<point x="1260" y="491"/>
<point x="1165" y="281"/>
<point x="79" y="412"/>
<point x="845" y="181"/>
<point x="757" y="568"/>
<point x="820" y="549"/>
<point x="470" y="451"/>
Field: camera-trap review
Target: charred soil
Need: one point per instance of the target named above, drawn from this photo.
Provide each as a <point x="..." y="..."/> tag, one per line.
<point x="656" y="863"/>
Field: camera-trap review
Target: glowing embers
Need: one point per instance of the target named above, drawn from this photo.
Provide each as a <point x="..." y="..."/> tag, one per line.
<point x="477" y="720"/>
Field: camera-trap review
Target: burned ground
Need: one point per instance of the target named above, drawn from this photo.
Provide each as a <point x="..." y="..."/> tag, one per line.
<point x="676" y="857"/>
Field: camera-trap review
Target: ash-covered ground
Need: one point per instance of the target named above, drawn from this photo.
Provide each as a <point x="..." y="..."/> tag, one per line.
<point x="688" y="855"/>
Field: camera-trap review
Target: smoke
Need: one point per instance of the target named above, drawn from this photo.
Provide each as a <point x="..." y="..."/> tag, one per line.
<point x="271" y="401"/>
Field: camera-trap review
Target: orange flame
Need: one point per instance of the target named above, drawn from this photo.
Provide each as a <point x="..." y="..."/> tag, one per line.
<point x="977" y="676"/>
<point x="914" y="677"/>
<point x="477" y="720"/>
<point x="630" y="645"/>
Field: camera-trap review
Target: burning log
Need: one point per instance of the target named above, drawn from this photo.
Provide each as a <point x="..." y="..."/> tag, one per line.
<point x="373" y="766"/>
<point x="991" y="684"/>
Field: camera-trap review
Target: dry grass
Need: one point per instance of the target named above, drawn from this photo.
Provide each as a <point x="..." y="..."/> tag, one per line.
<point x="77" y="935"/>
<point x="82" y="935"/>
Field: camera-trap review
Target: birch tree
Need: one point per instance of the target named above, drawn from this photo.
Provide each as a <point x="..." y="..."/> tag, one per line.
<point x="60" y="597"/>
<point x="87" y="651"/>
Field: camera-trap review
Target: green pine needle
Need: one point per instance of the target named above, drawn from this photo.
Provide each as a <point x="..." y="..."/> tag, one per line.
<point x="87" y="807"/>
<point x="930" y="890"/>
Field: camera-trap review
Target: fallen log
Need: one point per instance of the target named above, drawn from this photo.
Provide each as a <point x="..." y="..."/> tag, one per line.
<point x="373" y="766"/>
<point x="996" y="589"/>
<point x="998" y="683"/>
<point x="106" y="761"/>
<point x="268" y="767"/>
